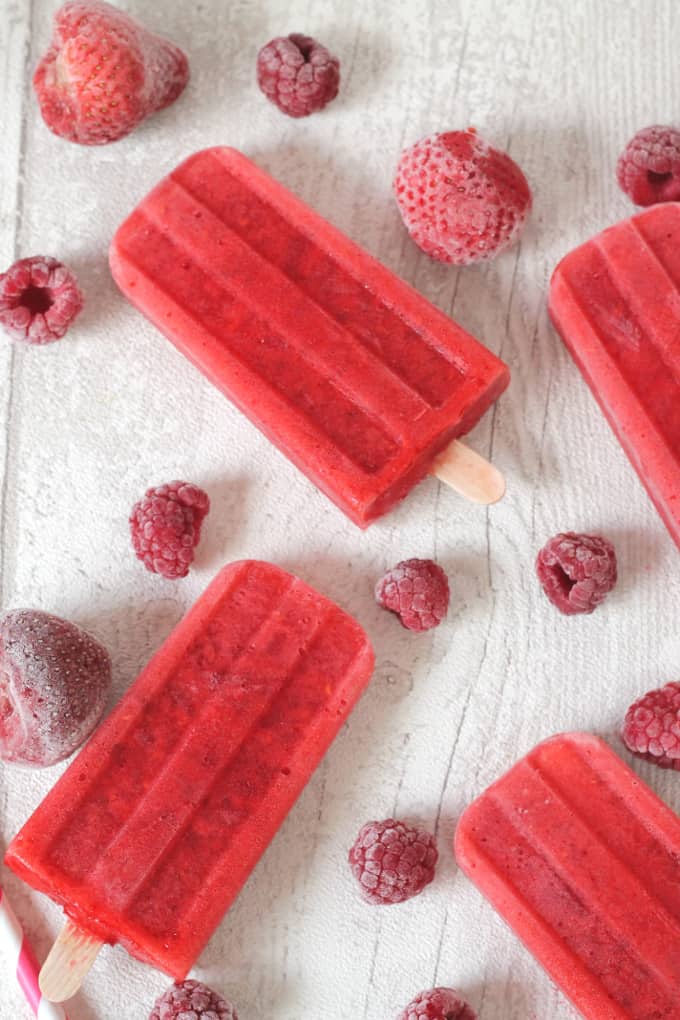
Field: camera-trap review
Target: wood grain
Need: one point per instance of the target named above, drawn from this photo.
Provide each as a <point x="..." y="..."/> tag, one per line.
<point x="88" y="424"/>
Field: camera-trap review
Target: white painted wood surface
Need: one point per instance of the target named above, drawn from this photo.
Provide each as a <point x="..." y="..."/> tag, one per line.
<point x="89" y="423"/>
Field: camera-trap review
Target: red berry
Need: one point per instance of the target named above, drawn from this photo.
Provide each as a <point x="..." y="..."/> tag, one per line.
<point x="298" y="74"/>
<point x="166" y="527"/>
<point x="54" y="682"/>
<point x="39" y="299"/>
<point x="648" y="169"/>
<point x="576" y="571"/>
<point x="651" y="729"/>
<point x="417" y="591"/>
<point x="392" y="861"/>
<point x="192" y="1000"/>
<point x="461" y="200"/>
<point x="438" y="1004"/>
<point x="104" y="73"/>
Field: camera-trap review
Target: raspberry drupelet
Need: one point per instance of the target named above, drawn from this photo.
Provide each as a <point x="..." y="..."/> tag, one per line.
<point x="298" y="74"/>
<point x="461" y="200"/>
<point x="192" y="1000"/>
<point x="392" y="861"/>
<point x="166" y="527"/>
<point x="39" y="299"/>
<point x="648" y="169"/>
<point x="576" y="571"/>
<point x="417" y="591"/>
<point x="651" y="728"/>
<point x="438" y="1004"/>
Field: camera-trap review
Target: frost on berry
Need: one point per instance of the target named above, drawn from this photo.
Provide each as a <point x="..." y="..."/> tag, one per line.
<point x="648" y="169"/>
<point x="298" y="74"/>
<point x="39" y="299"/>
<point x="651" y="728"/>
<point x="392" y="861"/>
<point x="417" y="591"/>
<point x="54" y="682"/>
<point x="166" y="527"/>
<point x="192" y="1000"/>
<point x="461" y="200"/>
<point x="576" y="571"/>
<point x="438" y="1004"/>
<point x="104" y="73"/>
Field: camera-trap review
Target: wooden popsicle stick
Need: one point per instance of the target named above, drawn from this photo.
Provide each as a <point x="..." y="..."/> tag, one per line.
<point x="66" y="967"/>
<point x="469" y="473"/>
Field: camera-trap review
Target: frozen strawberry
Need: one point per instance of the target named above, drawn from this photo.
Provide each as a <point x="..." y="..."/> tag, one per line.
<point x="104" y="73"/>
<point x="461" y="200"/>
<point x="54" y="682"/>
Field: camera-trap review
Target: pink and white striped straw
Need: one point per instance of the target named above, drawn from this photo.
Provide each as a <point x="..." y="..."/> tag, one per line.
<point x="16" y="950"/>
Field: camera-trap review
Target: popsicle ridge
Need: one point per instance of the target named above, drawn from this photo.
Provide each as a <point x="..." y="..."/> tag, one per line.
<point x="334" y="351"/>
<point x="582" y="875"/>
<point x="583" y="862"/>
<point x="409" y="351"/>
<point x="616" y="303"/>
<point x="191" y="776"/>
<point x="169" y="809"/>
<point x="168" y="705"/>
<point x="258" y="346"/>
<point x="357" y="379"/>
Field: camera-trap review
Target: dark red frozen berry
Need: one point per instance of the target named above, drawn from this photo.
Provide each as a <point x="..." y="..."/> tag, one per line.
<point x="166" y="527"/>
<point x="298" y="74"/>
<point x="392" y="861"/>
<point x="576" y="571"/>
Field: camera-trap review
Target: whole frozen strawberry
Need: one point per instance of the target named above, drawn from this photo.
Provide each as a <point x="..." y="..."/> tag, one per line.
<point x="461" y="200"/>
<point x="54" y="682"/>
<point x="104" y="73"/>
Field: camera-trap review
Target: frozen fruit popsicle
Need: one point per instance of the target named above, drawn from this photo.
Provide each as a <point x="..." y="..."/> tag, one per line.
<point x="151" y="832"/>
<point x="581" y="859"/>
<point x="616" y="304"/>
<point x="359" y="380"/>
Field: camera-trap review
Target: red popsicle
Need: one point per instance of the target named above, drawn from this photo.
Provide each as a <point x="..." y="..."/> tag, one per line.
<point x="581" y="859"/>
<point x="152" y="831"/>
<point x="358" y="379"/>
<point x="616" y="304"/>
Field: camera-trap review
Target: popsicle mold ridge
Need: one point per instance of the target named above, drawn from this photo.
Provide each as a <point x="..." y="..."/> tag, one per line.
<point x="151" y="832"/>
<point x="615" y="301"/>
<point x="580" y="858"/>
<point x="350" y="372"/>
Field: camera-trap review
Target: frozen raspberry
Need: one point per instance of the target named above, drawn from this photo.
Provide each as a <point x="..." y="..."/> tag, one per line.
<point x="192" y="1000"/>
<point x="648" y="169"/>
<point x="104" y="73"/>
<point x="438" y="1004"/>
<point x="298" y="74"/>
<point x="54" y="682"/>
<point x="576" y="571"/>
<point x="39" y="299"/>
<point x="392" y="861"/>
<point x="461" y="200"/>
<point x="417" y="591"/>
<point x="651" y="729"/>
<point x="166" y="527"/>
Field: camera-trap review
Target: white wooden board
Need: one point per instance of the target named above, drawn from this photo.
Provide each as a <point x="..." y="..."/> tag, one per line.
<point x="87" y="424"/>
